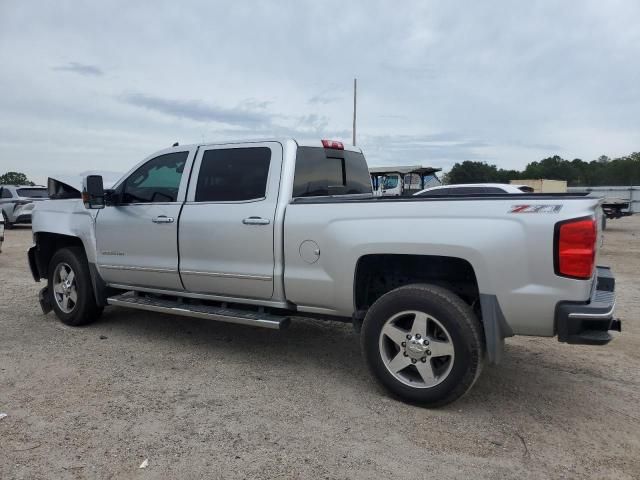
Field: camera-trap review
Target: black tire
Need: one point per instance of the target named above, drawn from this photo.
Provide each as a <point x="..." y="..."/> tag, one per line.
<point x="7" y="224"/>
<point x="462" y="325"/>
<point x="85" y="309"/>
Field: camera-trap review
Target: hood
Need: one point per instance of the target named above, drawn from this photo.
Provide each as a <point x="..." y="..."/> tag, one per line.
<point x="70" y="186"/>
<point x="64" y="187"/>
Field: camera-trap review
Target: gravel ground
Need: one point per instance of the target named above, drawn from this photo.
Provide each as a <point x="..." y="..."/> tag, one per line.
<point x="202" y="399"/>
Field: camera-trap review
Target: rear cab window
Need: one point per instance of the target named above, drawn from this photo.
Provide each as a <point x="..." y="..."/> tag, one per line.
<point x="327" y="172"/>
<point x="32" y="192"/>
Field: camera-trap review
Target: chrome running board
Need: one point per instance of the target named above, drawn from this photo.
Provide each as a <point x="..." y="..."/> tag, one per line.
<point x="222" y="314"/>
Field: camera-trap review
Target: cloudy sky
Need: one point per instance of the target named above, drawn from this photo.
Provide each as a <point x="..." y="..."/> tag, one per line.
<point x="100" y="85"/>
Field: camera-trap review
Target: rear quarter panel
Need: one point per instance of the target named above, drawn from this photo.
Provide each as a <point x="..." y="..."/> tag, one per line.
<point x="511" y="254"/>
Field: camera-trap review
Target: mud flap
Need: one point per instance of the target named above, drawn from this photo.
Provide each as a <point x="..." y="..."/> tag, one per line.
<point x="43" y="298"/>
<point x="496" y="327"/>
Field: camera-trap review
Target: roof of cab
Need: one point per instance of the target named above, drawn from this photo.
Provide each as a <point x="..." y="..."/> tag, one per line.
<point x="300" y="142"/>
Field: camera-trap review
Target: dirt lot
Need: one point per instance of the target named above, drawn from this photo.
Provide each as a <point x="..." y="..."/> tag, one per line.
<point x="201" y="399"/>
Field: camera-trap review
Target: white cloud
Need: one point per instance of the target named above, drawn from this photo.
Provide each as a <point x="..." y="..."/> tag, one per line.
<point x="110" y="82"/>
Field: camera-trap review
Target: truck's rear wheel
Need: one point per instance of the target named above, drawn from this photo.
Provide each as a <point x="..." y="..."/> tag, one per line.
<point x="70" y="288"/>
<point x="423" y="343"/>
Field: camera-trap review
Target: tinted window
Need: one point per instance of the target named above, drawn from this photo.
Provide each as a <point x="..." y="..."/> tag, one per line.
<point x="6" y="193"/>
<point x="467" y="191"/>
<point x="32" y="192"/>
<point x="322" y="172"/>
<point x="336" y="175"/>
<point x="158" y="180"/>
<point x="233" y="174"/>
<point x="440" y="192"/>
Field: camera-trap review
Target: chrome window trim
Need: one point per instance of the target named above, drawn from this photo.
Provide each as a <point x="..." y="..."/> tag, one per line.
<point x="197" y="163"/>
<point x="148" y="203"/>
<point x="184" y="180"/>
<point x="222" y="202"/>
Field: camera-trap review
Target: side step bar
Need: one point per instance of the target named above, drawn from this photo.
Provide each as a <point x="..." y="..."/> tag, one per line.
<point x="230" y="315"/>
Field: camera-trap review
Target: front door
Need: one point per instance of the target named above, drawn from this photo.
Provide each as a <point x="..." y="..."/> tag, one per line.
<point x="137" y="238"/>
<point x="227" y="224"/>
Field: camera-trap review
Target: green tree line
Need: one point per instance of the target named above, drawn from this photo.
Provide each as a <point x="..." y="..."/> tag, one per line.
<point x="603" y="171"/>
<point x="15" y="178"/>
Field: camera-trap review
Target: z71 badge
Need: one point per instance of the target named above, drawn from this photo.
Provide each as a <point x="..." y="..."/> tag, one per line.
<point x="535" y="208"/>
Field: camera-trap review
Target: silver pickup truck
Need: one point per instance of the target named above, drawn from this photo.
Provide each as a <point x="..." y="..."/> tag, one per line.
<point x="258" y="232"/>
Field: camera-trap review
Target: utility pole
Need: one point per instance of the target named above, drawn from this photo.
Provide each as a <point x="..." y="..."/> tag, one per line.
<point x="355" y="92"/>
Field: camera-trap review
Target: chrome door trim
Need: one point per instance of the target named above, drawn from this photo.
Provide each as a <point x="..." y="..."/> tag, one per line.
<point x="138" y="269"/>
<point x="206" y="296"/>
<point x="227" y="275"/>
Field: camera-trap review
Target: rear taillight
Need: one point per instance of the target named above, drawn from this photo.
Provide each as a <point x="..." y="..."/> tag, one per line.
<point x="335" y="145"/>
<point x="575" y="248"/>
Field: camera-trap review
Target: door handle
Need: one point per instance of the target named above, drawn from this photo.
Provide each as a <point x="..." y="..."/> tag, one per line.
<point x="256" y="221"/>
<point x="162" y="219"/>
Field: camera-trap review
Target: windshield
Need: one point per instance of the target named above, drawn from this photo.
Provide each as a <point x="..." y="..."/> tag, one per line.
<point x="390" y="182"/>
<point x="32" y="192"/>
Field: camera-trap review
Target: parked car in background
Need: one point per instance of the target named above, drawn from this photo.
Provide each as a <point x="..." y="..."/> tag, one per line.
<point x="17" y="202"/>
<point x="473" y="189"/>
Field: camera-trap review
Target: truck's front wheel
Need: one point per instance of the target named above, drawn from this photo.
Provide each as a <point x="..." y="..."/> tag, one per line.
<point x="423" y="343"/>
<point x="70" y="289"/>
<point x="7" y="224"/>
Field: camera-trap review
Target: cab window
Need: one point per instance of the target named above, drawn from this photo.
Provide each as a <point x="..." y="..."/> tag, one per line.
<point x="157" y="181"/>
<point x="390" y="182"/>
<point x="325" y="171"/>
<point x="233" y="174"/>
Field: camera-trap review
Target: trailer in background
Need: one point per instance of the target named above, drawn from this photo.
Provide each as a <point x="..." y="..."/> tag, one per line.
<point x="618" y="201"/>
<point x="542" y="185"/>
<point x="406" y="180"/>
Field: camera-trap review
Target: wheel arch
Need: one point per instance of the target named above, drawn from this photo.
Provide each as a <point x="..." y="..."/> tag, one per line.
<point x="47" y="244"/>
<point x="377" y="274"/>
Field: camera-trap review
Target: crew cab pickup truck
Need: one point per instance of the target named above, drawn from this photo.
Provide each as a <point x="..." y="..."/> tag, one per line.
<point x="259" y="232"/>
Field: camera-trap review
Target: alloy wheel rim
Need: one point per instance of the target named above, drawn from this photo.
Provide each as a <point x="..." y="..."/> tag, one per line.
<point x="65" y="290"/>
<point x="416" y="349"/>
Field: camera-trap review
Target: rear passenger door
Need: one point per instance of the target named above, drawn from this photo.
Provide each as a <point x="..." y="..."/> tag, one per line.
<point x="226" y="231"/>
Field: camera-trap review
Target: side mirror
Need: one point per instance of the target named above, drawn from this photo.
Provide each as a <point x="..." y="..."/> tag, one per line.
<point x="93" y="192"/>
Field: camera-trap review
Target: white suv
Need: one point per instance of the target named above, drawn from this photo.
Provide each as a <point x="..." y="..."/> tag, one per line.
<point x="17" y="202"/>
<point x="473" y="188"/>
